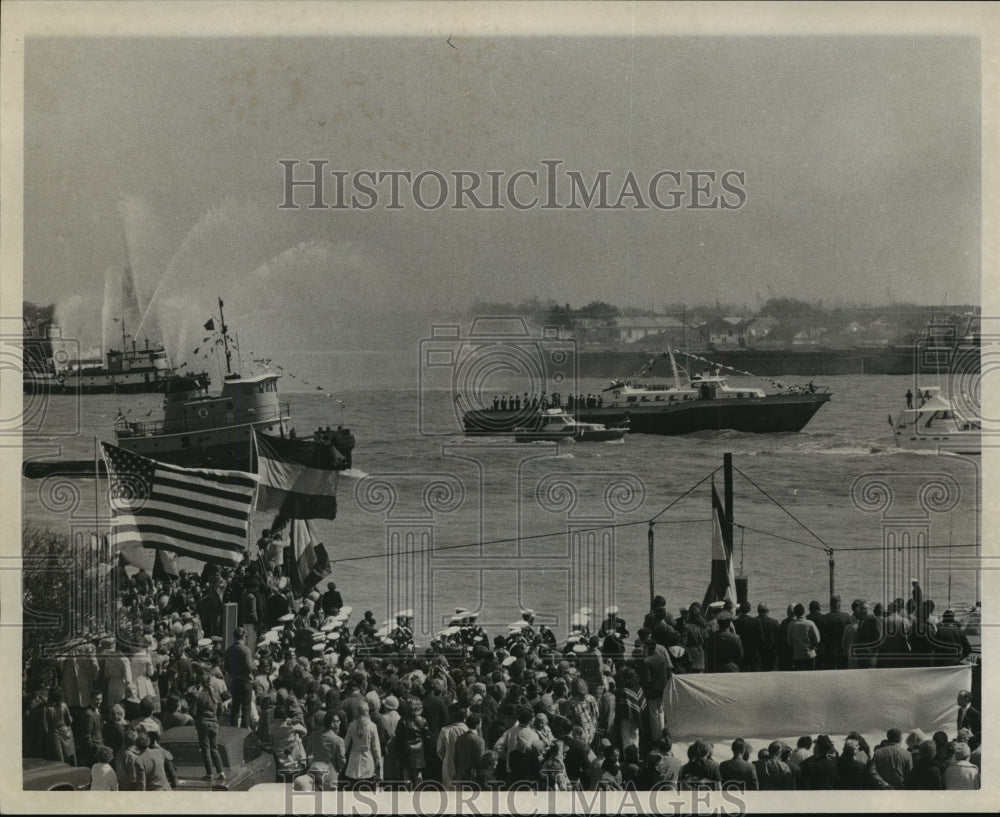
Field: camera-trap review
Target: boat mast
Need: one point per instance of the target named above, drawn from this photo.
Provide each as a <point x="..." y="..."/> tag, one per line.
<point x="673" y="365"/>
<point x="225" y="340"/>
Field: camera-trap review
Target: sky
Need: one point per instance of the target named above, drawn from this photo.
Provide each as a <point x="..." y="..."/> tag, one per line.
<point x="860" y="163"/>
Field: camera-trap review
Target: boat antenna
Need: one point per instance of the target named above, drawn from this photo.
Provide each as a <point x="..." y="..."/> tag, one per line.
<point x="673" y="365"/>
<point x="225" y="340"/>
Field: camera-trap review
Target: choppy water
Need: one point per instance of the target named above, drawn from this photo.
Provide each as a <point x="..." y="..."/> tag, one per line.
<point x="426" y="480"/>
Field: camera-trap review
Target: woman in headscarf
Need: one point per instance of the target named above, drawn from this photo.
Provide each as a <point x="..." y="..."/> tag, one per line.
<point x="364" y="752"/>
<point x="57" y="723"/>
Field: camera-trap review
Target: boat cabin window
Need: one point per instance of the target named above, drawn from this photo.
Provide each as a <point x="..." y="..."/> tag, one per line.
<point x="630" y="399"/>
<point x="229" y="405"/>
<point x="659" y="397"/>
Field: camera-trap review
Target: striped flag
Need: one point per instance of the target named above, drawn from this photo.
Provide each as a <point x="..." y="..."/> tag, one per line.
<point x="309" y="562"/>
<point x="298" y="478"/>
<point x="196" y="512"/>
<point x="722" y="587"/>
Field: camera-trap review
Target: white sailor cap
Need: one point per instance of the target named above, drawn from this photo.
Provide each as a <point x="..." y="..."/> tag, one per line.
<point x="586" y="611"/>
<point x="287" y="617"/>
<point x="579" y="647"/>
<point x="510" y="659"/>
<point x="611" y="611"/>
<point x="716" y="605"/>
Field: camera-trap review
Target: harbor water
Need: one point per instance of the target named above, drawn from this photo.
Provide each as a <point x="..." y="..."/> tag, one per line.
<point x="491" y="520"/>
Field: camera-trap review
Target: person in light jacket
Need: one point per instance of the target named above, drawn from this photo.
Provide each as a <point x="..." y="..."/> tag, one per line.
<point x="364" y="752"/>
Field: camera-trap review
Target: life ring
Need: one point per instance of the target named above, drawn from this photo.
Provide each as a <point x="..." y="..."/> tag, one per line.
<point x="203" y="412"/>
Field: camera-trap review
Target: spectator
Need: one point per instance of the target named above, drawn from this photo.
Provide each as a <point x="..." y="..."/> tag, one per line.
<point x="57" y="724"/>
<point x="469" y="750"/>
<point x="206" y="721"/>
<point x="820" y="771"/>
<point x="925" y="773"/>
<point x="852" y="770"/>
<point x="739" y="772"/>
<point x="700" y="772"/>
<point x="364" y="753"/>
<point x="446" y="743"/>
<point x="803" y="638"/>
<point x="961" y="774"/>
<point x="102" y="775"/>
<point x="891" y="763"/>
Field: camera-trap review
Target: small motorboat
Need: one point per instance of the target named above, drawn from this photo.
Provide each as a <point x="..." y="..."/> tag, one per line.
<point x="938" y="423"/>
<point x="554" y="425"/>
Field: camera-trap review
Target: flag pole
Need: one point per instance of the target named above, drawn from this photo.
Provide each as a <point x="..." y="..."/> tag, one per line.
<point x="649" y="537"/>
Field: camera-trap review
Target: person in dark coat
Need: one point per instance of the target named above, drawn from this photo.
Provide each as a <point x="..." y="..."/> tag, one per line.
<point x="725" y="650"/>
<point x="925" y="773"/>
<point x="951" y="646"/>
<point x="820" y="771"/>
<point x="769" y="638"/>
<point x="749" y="629"/>
<point x="852" y="770"/>
<point x="968" y="716"/>
<point x="739" y="771"/>
<point x="831" y="632"/>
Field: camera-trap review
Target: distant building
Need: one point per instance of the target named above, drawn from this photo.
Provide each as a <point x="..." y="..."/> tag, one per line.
<point x="663" y="327"/>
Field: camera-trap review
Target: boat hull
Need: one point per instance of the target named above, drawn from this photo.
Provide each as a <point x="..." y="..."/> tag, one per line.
<point x="131" y="383"/>
<point x="756" y="415"/>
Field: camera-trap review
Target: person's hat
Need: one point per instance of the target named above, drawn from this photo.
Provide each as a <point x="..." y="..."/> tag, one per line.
<point x="388" y="641"/>
<point x="186" y="615"/>
<point x="407" y="613"/>
<point x="676" y="651"/>
<point x="578" y="648"/>
<point x="204" y="642"/>
<point x="283" y="582"/>
<point x="217" y="639"/>
<point x="346" y="611"/>
<point x="611" y="610"/>
<point x="528" y="612"/>
<point x="460" y="611"/>
<point x="334" y="636"/>
<point x="477" y="639"/>
<point x="578" y="619"/>
<point x="319" y="636"/>
<point x="518" y="625"/>
<point x="328" y="627"/>
<point x="188" y="626"/>
<point x="586" y="611"/>
<point x="456" y="618"/>
<point x="949" y="615"/>
<point x="287" y="617"/>
<point x="450" y="631"/>
<point x="319" y="648"/>
<point x="271" y="637"/>
<point x="391" y="702"/>
<point x="716" y="605"/>
<point x="510" y="659"/>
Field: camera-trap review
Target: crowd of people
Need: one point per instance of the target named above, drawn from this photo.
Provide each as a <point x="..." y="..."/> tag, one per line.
<point x="359" y="705"/>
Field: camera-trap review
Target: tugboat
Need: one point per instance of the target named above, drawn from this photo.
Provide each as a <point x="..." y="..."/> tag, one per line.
<point x="554" y="424"/>
<point x="129" y="371"/>
<point x="938" y="423"/>
<point x="705" y="402"/>
<point x="199" y="429"/>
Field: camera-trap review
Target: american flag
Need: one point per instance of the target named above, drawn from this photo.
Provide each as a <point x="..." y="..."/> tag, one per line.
<point x="196" y="512"/>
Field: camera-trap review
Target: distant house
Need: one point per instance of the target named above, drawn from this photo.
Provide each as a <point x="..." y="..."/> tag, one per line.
<point x="760" y="328"/>
<point x="813" y="336"/>
<point x="632" y="330"/>
<point x="729" y="332"/>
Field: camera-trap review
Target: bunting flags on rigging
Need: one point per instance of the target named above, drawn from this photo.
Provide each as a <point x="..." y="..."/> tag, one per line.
<point x="196" y="512"/>
<point x="722" y="586"/>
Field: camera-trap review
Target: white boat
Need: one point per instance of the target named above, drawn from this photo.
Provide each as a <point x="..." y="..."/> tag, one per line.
<point x="938" y="423"/>
<point x="554" y="424"/>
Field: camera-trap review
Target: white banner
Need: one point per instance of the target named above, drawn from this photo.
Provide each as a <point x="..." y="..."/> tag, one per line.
<point x="770" y="705"/>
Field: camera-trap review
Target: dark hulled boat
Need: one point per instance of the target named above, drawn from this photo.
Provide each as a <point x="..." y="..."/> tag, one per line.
<point x="706" y="402"/>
